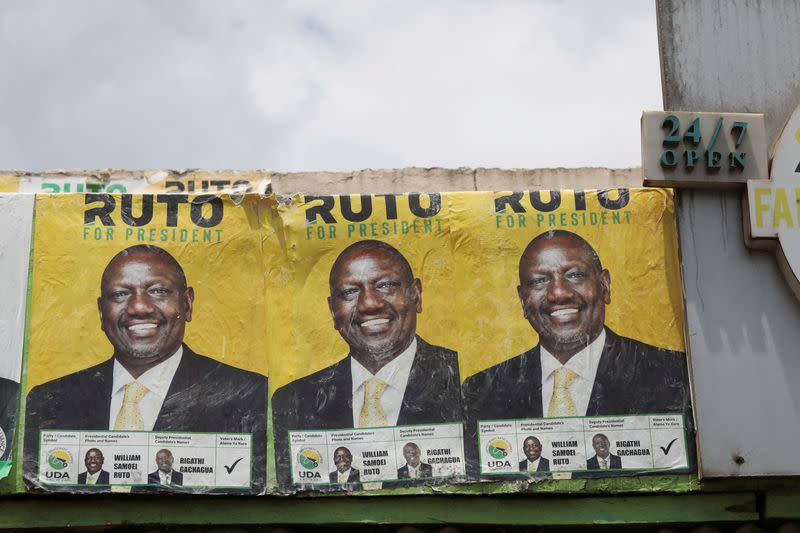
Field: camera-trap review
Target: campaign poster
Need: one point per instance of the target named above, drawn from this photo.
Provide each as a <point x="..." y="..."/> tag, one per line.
<point x="145" y="181"/>
<point x="16" y="214"/>
<point x="146" y="367"/>
<point x="571" y="334"/>
<point x="364" y="376"/>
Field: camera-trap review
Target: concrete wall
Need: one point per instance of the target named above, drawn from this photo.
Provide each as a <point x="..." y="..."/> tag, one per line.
<point x="743" y="322"/>
<point x="370" y="181"/>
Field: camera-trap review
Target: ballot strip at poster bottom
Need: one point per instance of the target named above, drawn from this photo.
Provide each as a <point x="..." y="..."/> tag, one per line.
<point x="204" y="460"/>
<point x="377" y="453"/>
<point x="635" y="443"/>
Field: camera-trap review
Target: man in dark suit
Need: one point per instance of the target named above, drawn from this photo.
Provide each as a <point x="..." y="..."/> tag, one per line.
<point x="345" y="475"/>
<point x="603" y="458"/>
<point x="165" y="475"/>
<point x="533" y="463"/>
<point x="414" y="467"/>
<point x="153" y="382"/>
<point x="94" y="475"/>
<point x="9" y="402"/>
<point x="580" y="367"/>
<point x="374" y="301"/>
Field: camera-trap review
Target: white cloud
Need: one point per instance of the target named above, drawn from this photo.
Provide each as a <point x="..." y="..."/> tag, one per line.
<point x="326" y="85"/>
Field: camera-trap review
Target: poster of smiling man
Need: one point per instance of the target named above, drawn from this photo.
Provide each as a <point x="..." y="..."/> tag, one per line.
<point x="146" y="371"/>
<point x="575" y="364"/>
<point x="365" y="365"/>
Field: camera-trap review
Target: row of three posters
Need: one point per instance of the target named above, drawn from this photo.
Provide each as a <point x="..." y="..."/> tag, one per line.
<point x="390" y="323"/>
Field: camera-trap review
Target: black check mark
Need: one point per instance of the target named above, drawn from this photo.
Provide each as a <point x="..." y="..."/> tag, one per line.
<point x="665" y="450"/>
<point x="236" y="462"/>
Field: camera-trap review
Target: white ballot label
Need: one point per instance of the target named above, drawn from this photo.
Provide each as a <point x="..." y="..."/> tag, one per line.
<point x="540" y="447"/>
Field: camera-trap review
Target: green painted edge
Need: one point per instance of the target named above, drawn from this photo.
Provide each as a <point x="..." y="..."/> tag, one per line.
<point x="109" y="510"/>
<point x="782" y="505"/>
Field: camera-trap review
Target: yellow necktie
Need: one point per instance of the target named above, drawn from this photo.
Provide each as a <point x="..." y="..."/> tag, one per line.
<point x="343" y="478"/>
<point x="90" y="479"/>
<point x="561" y="404"/>
<point x="372" y="413"/>
<point x="130" y="416"/>
<point x="531" y="468"/>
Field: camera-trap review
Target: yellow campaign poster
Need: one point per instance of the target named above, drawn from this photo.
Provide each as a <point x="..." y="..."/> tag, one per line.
<point x="572" y="349"/>
<point x="146" y="368"/>
<point x="364" y="336"/>
<point x="564" y="309"/>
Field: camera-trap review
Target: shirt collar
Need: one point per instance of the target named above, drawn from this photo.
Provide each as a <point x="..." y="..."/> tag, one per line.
<point x="582" y="363"/>
<point x="156" y="379"/>
<point x="394" y="373"/>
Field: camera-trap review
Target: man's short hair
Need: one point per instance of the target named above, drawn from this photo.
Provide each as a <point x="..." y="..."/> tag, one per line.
<point x="601" y="435"/>
<point x="149" y="249"/>
<point x="372" y="244"/>
<point x="554" y="233"/>
<point x="345" y="448"/>
<point x="90" y="450"/>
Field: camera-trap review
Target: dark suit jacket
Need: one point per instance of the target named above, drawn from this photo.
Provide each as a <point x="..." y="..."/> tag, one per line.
<point x="204" y="396"/>
<point x="324" y="400"/>
<point x="425" y="470"/>
<point x="353" y="480"/>
<point x="176" y="479"/>
<point x="594" y="463"/>
<point x="102" y="479"/>
<point x="9" y="402"/>
<point x="544" y="465"/>
<point x="632" y="378"/>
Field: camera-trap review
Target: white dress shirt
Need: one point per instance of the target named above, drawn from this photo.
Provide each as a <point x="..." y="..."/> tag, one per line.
<point x="91" y="479"/>
<point x="583" y="363"/>
<point x="163" y="478"/>
<point x="343" y="477"/>
<point x="532" y="466"/>
<point x="157" y="380"/>
<point x="395" y="374"/>
<point x="413" y="472"/>
<point x="604" y="464"/>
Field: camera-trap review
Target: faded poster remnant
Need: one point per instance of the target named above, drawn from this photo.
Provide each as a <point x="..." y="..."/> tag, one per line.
<point x="16" y="214"/>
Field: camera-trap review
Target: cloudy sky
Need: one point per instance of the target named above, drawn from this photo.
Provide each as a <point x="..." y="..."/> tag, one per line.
<point x="325" y="85"/>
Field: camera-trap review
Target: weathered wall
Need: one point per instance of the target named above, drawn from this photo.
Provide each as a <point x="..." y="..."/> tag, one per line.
<point x="736" y="56"/>
<point x="369" y="180"/>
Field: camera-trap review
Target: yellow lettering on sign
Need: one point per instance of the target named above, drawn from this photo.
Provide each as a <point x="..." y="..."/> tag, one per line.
<point x="781" y="212"/>
<point x="761" y="205"/>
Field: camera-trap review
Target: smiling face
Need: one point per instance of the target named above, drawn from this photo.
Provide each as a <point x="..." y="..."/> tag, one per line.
<point x="144" y="306"/>
<point x="532" y="448"/>
<point x="164" y="461"/>
<point x="411" y="454"/>
<point x="342" y="459"/>
<point x="374" y="302"/>
<point x="601" y="445"/>
<point x="93" y="461"/>
<point x="564" y="292"/>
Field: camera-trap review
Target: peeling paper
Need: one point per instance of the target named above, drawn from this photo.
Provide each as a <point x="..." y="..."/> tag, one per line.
<point x="465" y="248"/>
<point x="207" y="413"/>
<point x="16" y="214"/>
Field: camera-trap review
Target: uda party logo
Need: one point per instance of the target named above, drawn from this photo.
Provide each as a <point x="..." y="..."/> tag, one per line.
<point x="58" y="461"/>
<point x="498" y="449"/>
<point x="309" y="459"/>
